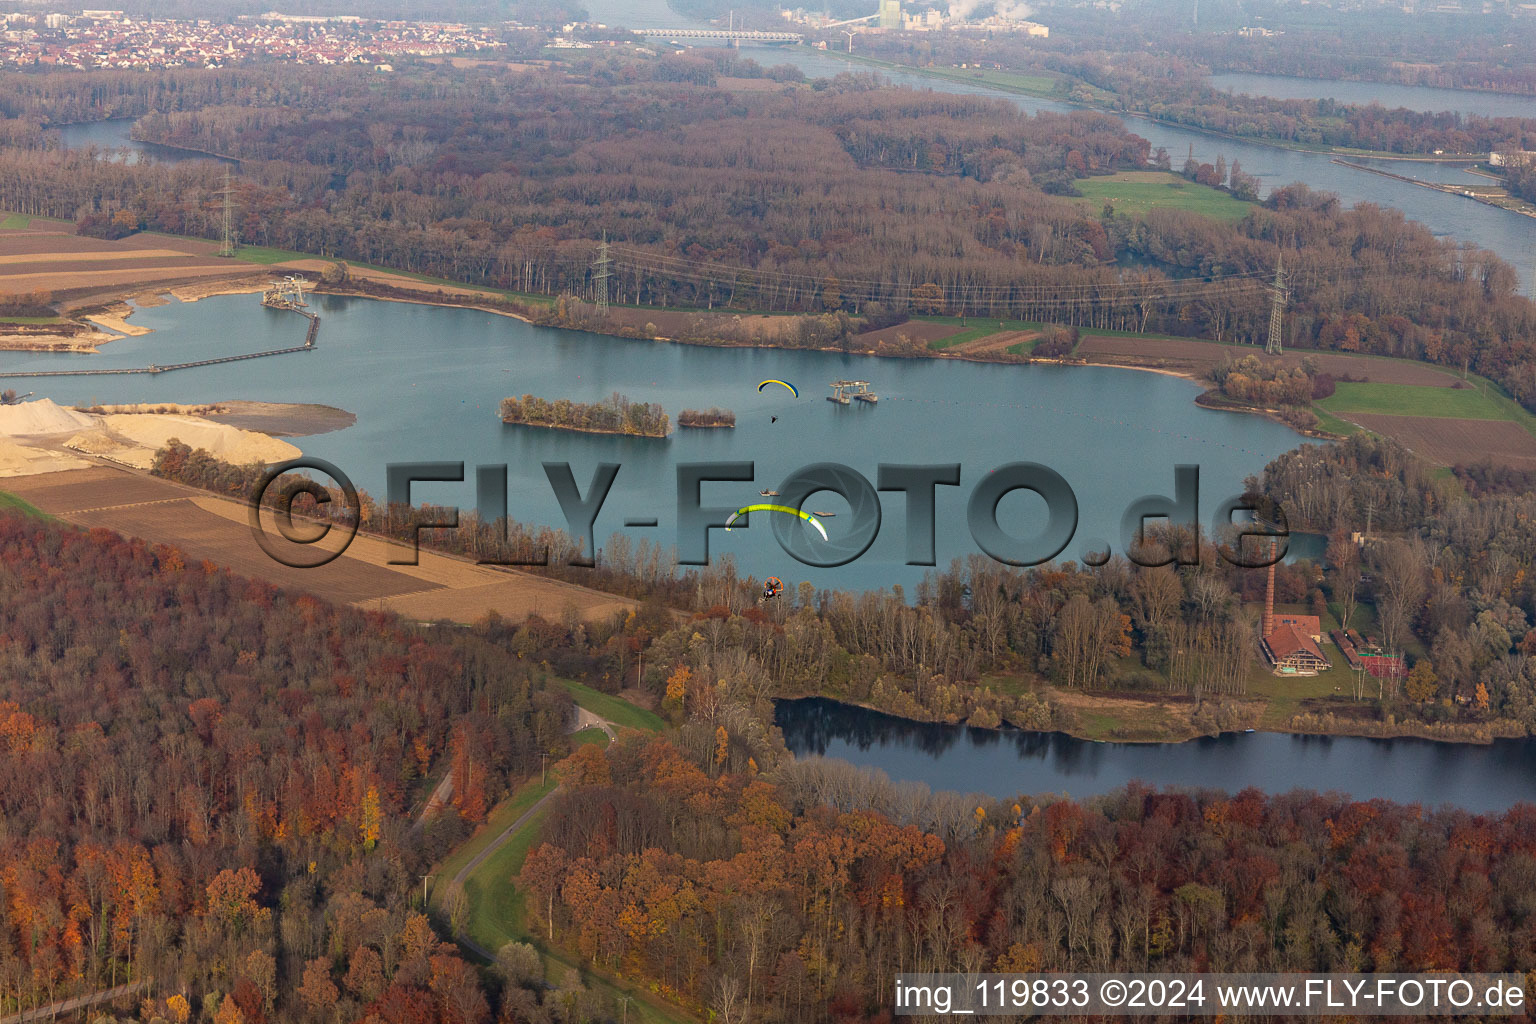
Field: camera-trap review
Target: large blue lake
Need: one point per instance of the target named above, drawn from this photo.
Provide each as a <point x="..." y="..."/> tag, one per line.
<point x="425" y="383"/>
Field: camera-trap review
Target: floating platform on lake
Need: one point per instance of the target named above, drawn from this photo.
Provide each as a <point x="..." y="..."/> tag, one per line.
<point x="846" y="391"/>
<point x="286" y="294"/>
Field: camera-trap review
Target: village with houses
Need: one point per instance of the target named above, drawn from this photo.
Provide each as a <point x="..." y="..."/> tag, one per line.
<point x="99" y="39"/>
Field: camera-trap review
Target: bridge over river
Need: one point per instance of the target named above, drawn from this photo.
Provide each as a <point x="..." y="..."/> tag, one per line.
<point x="730" y="35"/>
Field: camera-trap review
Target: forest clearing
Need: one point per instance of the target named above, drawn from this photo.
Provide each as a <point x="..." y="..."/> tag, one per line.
<point x="1138" y="193"/>
<point x="1447" y="426"/>
<point x="1196" y="357"/>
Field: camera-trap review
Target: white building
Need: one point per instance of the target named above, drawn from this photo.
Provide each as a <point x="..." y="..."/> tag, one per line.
<point x="1514" y="158"/>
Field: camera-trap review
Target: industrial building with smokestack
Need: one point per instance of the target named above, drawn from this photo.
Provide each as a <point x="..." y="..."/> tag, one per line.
<point x="889" y="16"/>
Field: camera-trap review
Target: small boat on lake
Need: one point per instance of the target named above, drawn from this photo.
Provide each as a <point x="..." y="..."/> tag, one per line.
<point x="769" y="494"/>
<point x="826" y="515"/>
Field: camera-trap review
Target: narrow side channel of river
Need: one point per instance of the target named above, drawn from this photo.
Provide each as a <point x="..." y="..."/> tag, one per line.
<point x="1007" y="763"/>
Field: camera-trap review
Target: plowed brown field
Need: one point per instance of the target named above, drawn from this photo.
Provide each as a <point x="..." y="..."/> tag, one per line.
<point x="74" y="267"/>
<point x="1448" y="442"/>
<point x="1198" y="357"/>
<point x="216" y="529"/>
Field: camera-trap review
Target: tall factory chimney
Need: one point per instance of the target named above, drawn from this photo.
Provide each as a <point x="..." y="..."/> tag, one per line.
<point x="1268" y="625"/>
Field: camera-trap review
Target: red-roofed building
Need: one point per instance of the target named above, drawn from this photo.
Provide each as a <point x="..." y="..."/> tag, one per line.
<point x="1306" y="625"/>
<point x="1293" y="653"/>
<point x="1289" y="642"/>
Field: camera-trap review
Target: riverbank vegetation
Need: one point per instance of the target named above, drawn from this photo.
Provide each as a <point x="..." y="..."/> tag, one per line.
<point x="1251" y="380"/>
<point x="1165" y="77"/>
<point x="1446" y="572"/>
<point x="35" y="306"/>
<point x="615" y="414"/>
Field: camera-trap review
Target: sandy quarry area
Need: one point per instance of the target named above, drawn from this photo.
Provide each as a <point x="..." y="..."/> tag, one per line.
<point x="52" y="338"/>
<point x="116" y="319"/>
<point x="39" y="437"/>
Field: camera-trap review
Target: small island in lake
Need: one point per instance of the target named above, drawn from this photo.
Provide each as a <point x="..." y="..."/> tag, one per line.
<point x="711" y="417"/>
<point x="615" y="414"/>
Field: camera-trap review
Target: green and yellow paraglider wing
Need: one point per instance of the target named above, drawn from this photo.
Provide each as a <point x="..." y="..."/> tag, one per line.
<point x="777" y="508"/>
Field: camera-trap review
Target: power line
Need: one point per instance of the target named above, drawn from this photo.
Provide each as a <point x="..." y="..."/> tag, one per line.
<point x="1099" y="293"/>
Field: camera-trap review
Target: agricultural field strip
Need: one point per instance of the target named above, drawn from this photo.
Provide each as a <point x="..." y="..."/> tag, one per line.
<point x="94" y="257"/>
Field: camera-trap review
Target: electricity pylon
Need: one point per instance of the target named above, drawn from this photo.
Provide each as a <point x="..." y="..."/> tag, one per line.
<point x="602" y="269"/>
<point x="1277" y="310"/>
<point x="228" y="246"/>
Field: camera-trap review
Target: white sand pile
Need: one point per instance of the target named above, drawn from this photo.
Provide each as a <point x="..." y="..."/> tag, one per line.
<point x="96" y="442"/>
<point x="21" y="460"/>
<point x="28" y="419"/>
<point x="99" y="442"/>
<point x="230" y="444"/>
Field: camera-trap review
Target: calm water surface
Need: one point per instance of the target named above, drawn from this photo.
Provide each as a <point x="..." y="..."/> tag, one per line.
<point x="425" y="383"/>
<point x="114" y="134"/>
<point x="1414" y="97"/>
<point x="1008" y="763"/>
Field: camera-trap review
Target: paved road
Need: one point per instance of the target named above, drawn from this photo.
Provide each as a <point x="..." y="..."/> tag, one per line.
<point x="480" y="858"/>
<point x="584" y="720"/>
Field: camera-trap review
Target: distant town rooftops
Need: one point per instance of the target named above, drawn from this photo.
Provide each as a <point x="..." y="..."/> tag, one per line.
<point x="101" y="39"/>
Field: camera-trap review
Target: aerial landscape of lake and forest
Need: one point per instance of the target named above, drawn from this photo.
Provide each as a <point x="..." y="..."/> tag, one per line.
<point x="716" y="512"/>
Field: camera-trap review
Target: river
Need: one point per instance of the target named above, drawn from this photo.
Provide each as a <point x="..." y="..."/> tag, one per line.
<point x="1413" y="97"/>
<point x="425" y="383"/>
<point x="1511" y="235"/>
<point x="1008" y="763"/>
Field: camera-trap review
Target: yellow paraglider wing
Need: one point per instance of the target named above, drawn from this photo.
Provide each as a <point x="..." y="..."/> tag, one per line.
<point x="792" y="389"/>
